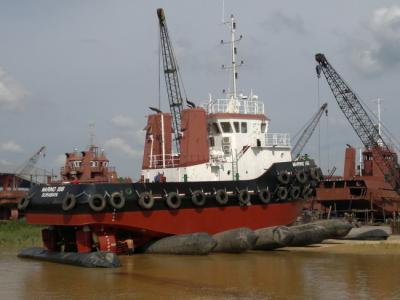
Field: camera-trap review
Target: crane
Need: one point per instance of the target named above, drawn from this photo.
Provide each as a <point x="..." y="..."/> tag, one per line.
<point x="172" y="79"/>
<point x="360" y="121"/>
<point x="27" y="167"/>
<point x="308" y="131"/>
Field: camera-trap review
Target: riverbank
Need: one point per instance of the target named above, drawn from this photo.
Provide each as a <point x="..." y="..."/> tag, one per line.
<point x="389" y="246"/>
<point x="16" y="234"/>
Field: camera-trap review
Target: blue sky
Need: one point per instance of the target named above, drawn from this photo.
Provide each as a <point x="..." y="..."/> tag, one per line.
<point x="65" y="64"/>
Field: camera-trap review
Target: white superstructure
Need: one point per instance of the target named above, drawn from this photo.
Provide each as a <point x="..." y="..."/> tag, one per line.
<point x="240" y="146"/>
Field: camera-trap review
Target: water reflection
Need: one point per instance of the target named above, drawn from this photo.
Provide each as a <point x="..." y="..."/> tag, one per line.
<point x="266" y="275"/>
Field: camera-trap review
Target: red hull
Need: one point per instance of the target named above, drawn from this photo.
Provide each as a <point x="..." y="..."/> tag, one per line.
<point x="166" y="222"/>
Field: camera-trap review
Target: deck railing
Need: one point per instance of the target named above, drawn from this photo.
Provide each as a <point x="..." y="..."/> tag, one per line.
<point x="277" y="139"/>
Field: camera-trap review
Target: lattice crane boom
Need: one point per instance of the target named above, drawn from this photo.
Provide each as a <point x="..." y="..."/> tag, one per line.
<point x="171" y="77"/>
<point x="360" y="121"/>
<point x="308" y="131"/>
<point x="27" y="167"/>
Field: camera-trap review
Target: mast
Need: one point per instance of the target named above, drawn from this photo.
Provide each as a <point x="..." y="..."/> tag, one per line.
<point x="232" y="27"/>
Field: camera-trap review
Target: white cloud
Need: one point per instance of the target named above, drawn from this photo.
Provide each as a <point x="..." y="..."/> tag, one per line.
<point x="123" y="122"/>
<point x="10" y="146"/>
<point x="11" y="92"/>
<point x="120" y="146"/>
<point x="382" y="51"/>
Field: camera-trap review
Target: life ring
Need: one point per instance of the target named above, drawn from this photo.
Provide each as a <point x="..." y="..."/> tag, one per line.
<point x="282" y="193"/>
<point x="117" y="200"/>
<point x="174" y="200"/>
<point x="23" y="203"/>
<point x="198" y="198"/>
<point x="264" y="195"/>
<point x="97" y="202"/>
<point x="301" y="177"/>
<point x="295" y="192"/>
<point x="222" y="197"/>
<point x="283" y="177"/>
<point x="146" y="200"/>
<point x="314" y="173"/>
<point x="69" y="202"/>
<point x="244" y="197"/>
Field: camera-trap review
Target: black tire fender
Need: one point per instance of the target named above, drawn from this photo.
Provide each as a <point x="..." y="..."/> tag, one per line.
<point x="198" y="198"/>
<point x="301" y="177"/>
<point x="295" y="192"/>
<point x="117" y="200"/>
<point x="282" y="193"/>
<point x="23" y="203"/>
<point x="146" y="200"/>
<point x="97" y="202"/>
<point x="264" y="195"/>
<point x="244" y="197"/>
<point x="69" y="202"/>
<point x="283" y="177"/>
<point x="222" y="197"/>
<point x="173" y="200"/>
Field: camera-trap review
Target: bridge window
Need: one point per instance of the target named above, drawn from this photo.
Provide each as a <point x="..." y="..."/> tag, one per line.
<point x="213" y="128"/>
<point x="244" y="127"/>
<point x="226" y="127"/>
<point x="263" y="127"/>
<point x="236" y="125"/>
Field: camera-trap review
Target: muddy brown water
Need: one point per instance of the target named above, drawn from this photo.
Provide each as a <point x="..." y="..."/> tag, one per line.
<point x="264" y="275"/>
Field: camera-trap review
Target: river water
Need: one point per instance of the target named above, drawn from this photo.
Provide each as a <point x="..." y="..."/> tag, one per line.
<point x="265" y="275"/>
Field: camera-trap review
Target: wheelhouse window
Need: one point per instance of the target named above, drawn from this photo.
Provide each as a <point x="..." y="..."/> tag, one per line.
<point x="244" y="127"/>
<point x="226" y="127"/>
<point x="214" y="128"/>
<point x="237" y="128"/>
<point x="263" y="127"/>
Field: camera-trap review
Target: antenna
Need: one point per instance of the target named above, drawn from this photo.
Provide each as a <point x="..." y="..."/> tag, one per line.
<point x="232" y="25"/>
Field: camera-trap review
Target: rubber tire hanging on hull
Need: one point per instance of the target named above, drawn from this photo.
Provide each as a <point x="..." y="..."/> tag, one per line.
<point x="117" y="200"/>
<point x="301" y="177"/>
<point x="198" y="198"/>
<point x="264" y="195"/>
<point x="97" y="202"/>
<point x="244" y="197"/>
<point x="282" y="193"/>
<point x="222" y="197"/>
<point x="173" y="200"/>
<point x="295" y="192"/>
<point x="23" y="203"/>
<point x="69" y="202"/>
<point x="146" y="200"/>
<point x="283" y="177"/>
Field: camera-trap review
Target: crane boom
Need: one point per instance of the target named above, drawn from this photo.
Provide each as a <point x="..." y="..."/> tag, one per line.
<point x="308" y="131"/>
<point x="27" y="167"/>
<point x="360" y="121"/>
<point x="171" y="77"/>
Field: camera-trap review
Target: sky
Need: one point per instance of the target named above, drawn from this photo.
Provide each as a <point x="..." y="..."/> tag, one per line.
<point x="67" y="64"/>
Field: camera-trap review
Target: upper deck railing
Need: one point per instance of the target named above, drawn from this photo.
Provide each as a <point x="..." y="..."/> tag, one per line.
<point x="277" y="139"/>
<point x="241" y="106"/>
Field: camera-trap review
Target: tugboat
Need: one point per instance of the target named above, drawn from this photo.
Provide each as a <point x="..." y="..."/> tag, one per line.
<point x="205" y="169"/>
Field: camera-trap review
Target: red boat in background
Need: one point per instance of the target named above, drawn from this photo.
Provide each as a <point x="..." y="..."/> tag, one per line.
<point x="362" y="192"/>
